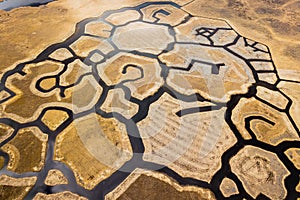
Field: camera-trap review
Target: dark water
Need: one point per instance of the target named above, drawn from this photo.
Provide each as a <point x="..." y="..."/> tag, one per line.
<point x="11" y="4"/>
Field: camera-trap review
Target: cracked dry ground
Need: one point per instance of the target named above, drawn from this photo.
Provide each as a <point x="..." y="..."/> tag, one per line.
<point x="147" y="100"/>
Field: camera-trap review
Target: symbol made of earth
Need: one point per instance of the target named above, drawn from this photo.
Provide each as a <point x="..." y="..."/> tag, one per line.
<point x="150" y="82"/>
<point x="138" y="53"/>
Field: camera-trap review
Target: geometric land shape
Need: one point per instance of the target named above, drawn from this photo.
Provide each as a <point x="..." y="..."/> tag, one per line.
<point x="55" y="177"/>
<point x="27" y="150"/>
<point x="98" y="28"/>
<point x="294" y="155"/>
<point x="85" y="44"/>
<point x="212" y="72"/>
<point x="292" y="90"/>
<point x="142" y="184"/>
<point x="61" y="54"/>
<point x="142" y="37"/>
<point x="54" y="118"/>
<point x="186" y="144"/>
<point x="165" y="14"/>
<point x="15" y="188"/>
<point x="61" y="195"/>
<point x="96" y="57"/>
<point x="74" y="71"/>
<point x="5" y="132"/>
<point x="141" y="74"/>
<point x="267" y="124"/>
<point x="104" y="151"/>
<point x="115" y="102"/>
<point x="120" y="19"/>
<point x="273" y="97"/>
<point x="260" y="171"/>
<point x="228" y="187"/>
<point x="267" y="77"/>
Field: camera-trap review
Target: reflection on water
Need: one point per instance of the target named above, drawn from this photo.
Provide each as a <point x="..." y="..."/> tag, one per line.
<point x="10" y="4"/>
